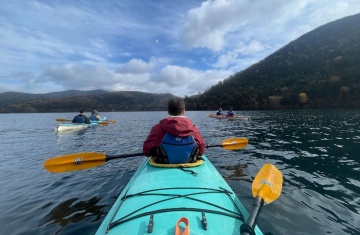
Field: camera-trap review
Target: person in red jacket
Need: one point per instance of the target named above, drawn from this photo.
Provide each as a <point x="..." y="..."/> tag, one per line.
<point x="176" y="124"/>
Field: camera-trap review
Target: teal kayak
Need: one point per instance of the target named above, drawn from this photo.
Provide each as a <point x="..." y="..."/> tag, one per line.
<point x="156" y="199"/>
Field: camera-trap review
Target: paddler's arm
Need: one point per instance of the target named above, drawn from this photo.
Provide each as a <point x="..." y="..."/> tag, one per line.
<point x="199" y="140"/>
<point x="153" y="140"/>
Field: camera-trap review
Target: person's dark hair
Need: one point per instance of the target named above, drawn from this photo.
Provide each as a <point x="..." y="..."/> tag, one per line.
<point x="176" y="106"/>
<point x="82" y="110"/>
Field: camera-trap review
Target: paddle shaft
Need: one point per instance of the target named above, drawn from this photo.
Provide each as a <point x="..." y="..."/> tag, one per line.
<point x="110" y="157"/>
<point x="86" y="160"/>
<point x="211" y="146"/>
<point x="248" y="227"/>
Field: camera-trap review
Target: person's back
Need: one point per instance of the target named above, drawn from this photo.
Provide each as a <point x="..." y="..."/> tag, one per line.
<point x="176" y="130"/>
<point x="95" y="116"/>
<point x="219" y="112"/>
<point x="230" y="113"/>
<point x="81" y="118"/>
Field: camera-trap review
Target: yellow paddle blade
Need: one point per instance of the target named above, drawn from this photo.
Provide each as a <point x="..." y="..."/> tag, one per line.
<point x="103" y="123"/>
<point x="234" y="143"/>
<point x="74" y="162"/>
<point x="267" y="183"/>
<point x="61" y="119"/>
<point x="106" y="122"/>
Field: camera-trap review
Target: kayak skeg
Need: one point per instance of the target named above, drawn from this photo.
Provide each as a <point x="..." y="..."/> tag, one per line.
<point x="160" y="200"/>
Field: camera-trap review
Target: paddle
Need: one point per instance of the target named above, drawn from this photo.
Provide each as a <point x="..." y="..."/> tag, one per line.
<point x="85" y="160"/>
<point x="102" y="122"/>
<point x="266" y="187"/>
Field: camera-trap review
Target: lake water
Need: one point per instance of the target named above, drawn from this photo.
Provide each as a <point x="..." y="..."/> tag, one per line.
<point x="318" y="153"/>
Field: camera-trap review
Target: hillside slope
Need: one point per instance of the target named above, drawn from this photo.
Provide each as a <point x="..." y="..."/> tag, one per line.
<point x="72" y="101"/>
<point x="318" y="70"/>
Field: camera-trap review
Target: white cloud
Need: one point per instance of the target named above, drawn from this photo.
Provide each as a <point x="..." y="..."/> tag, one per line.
<point x="55" y="45"/>
<point x="136" y="66"/>
<point x="207" y="25"/>
<point x="215" y="23"/>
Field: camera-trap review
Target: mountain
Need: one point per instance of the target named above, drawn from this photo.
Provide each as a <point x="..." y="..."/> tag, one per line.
<point x="318" y="70"/>
<point x="72" y="101"/>
<point x="8" y="98"/>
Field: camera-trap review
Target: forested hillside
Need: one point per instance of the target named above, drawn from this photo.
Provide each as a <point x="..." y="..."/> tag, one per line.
<point x="72" y="101"/>
<point x="321" y="69"/>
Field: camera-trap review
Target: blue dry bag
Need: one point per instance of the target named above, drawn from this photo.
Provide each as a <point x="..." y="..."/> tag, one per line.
<point x="174" y="149"/>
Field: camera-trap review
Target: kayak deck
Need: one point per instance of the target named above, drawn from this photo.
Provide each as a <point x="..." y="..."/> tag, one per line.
<point x="164" y="195"/>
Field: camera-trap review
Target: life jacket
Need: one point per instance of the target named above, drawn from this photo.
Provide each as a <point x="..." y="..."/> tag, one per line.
<point x="93" y="117"/>
<point x="174" y="149"/>
<point x="80" y="119"/>
<point x="230" y="113"/>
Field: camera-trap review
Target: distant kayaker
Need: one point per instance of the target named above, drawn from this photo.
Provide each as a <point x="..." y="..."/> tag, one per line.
<point x="219" y="112"/>
<point x="173" y="135"/>
<point x="95" y="116"/>
<point x="81" y="118"/>
<point x="230" y="113"/>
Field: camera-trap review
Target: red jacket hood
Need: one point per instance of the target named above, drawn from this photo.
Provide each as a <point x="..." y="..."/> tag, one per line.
<point x="179" y="126"/>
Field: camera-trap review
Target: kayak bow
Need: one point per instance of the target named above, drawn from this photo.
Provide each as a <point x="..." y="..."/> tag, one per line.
<point x="156" y="198"/>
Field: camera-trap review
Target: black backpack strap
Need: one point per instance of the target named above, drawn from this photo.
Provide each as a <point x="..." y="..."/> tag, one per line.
<point x="194" y="154"/>
<point x="161" y="156"/>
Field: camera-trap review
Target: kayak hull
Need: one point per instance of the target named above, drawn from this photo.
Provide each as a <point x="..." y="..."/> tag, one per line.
<point x="245" y="118"/>
<point x="77" y="126"/>
<point x="164" y="195"/>
<point x="73" y="126"/>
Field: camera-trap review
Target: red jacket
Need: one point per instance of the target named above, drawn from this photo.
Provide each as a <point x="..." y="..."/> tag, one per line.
<point x="175" y="125"/>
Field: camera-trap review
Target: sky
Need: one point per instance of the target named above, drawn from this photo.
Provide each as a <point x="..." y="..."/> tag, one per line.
<point x="182" y="47"/>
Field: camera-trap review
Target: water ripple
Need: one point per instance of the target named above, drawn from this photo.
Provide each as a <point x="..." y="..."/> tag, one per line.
<point x="316" y="151"/>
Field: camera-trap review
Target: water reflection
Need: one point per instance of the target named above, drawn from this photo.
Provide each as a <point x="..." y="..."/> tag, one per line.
<point x="74" y="211"/>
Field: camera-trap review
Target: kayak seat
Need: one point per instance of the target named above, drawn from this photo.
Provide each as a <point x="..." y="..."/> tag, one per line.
<point x="175" y="149"/>
<point x="175" y="165"/>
